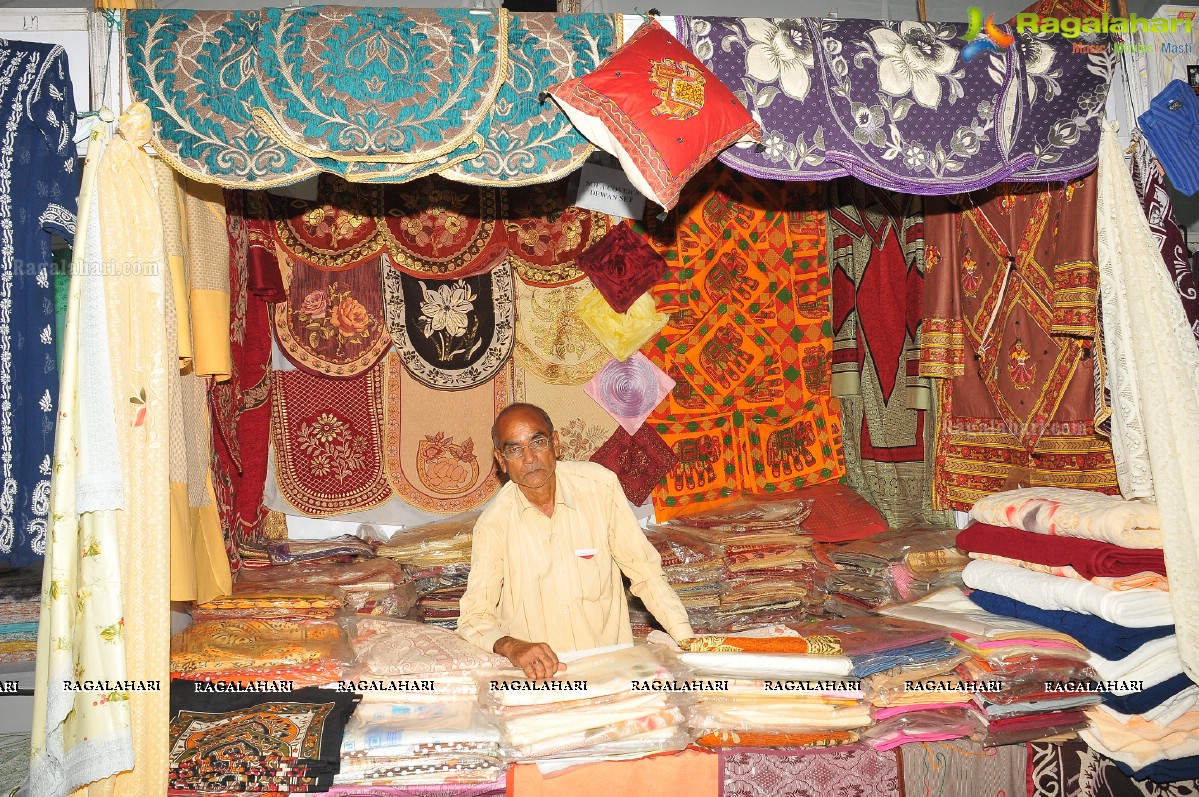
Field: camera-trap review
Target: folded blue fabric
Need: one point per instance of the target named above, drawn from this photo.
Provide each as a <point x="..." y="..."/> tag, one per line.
<point x="1111" y="641"/>
<point x="910" y="656"/>
<point x="1154" y="696"/>
<point x="1165" y="771"/>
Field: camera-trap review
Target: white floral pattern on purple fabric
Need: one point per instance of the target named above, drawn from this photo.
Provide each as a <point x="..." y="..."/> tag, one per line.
<point x="894" y="104"/>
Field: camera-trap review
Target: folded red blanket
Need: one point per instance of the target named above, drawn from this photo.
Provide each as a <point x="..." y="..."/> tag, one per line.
<point x="1089" y="557"/>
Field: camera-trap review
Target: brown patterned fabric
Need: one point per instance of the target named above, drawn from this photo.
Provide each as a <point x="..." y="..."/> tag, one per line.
<point x="438" y="443"/>
<point x="1009" y="321"/>
<point x="438" y="229"/>
<point x="639" y="461"/>
<point x="328" y="441"/>
<point x="547" y="234"/>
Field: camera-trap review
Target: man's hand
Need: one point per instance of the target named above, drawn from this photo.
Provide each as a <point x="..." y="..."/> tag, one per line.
<point x="537" y="659"/>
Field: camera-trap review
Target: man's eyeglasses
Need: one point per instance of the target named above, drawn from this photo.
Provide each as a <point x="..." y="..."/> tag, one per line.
<point x="516" y="450"/>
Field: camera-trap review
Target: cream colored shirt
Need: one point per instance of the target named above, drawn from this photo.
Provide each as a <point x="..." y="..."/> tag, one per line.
<point x="557" y="579"/>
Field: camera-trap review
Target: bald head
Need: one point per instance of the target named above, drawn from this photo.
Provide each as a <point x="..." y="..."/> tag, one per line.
<point x="518" y="409"/>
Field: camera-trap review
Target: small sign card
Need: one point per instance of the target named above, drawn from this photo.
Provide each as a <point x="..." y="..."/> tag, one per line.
<point x="606" y="190"/>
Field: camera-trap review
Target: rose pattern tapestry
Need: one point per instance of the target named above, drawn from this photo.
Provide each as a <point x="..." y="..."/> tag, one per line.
<point x="547" y="233"/>
<point x="896" y="104"/>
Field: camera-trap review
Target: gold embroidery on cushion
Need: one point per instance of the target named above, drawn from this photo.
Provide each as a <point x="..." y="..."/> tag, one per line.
<point x="680" y="89"/>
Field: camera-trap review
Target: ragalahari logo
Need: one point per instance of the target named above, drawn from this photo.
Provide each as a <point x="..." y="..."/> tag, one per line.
<point x="994" y="40"/>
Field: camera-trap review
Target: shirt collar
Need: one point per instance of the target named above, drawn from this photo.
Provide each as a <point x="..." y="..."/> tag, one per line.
<point x="563" y="495"/>
<point x="1186" y="113"/>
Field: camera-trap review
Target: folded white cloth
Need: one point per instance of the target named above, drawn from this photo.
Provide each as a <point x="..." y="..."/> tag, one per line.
<point x="1165" y="712"/>
<point x="1151" y="663"/>
<point x="1073" y="513"/>
<point x="1134" y="608"/>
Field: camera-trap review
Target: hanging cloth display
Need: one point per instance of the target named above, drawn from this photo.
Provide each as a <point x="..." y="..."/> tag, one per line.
<point x="378" y="84"/>
<point x="438" y="443"/>
<point x="748" y="345"/>
<point x="1154" y="368"/>
<point x="876" y="243"/>
<point x="552" y="342"/>
<point x="451" y="334"/>
<point x="327" y="437"/>
<point x="441" y="230"/>
<point x="530" y="141"/>
<point x="241" y="406"/>
<point x="1009" y="316"/>
<point x="896" y="104"/>
<point x="547" y="234"/>
<point x="197" y="71"/>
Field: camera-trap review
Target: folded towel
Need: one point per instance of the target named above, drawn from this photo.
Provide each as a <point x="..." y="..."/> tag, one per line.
<point x="1089" y="557"/>
<point x="1073" y="513"/>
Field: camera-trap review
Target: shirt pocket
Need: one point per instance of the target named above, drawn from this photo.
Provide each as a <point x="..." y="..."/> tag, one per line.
<point x="594" y="568"/>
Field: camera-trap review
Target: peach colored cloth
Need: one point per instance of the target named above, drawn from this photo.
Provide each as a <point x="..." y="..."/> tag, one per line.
<point x="690" y="773"/>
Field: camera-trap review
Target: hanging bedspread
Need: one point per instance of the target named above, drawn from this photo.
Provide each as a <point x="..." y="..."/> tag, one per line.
<point x="438" y="444"/>
<point x="1009" y="321"/>
<point x="748" y="345"/>
<point x="379" y="85"/>
<point x="531" y="141"/>
<point x="438" y="230"/>
<point x="250" y="99"/>
<point x="876" y="240"/>
<point x="897" y="106"/>
<point x="552" y="342"/>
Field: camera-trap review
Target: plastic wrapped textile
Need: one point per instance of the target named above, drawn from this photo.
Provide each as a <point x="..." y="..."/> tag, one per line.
<point x="412" y="730"/>
<point x="821" y="645"/>
<point x="768" y="665"/>
<point x="927" y="552"/>
<point x="739" y="558"/>
<point x="291" y="551"/>
<point x="574" y="742"/>
<point x="493" y="789"/>
<point x="265" y="613"/>
<point x="897" y="688"/>
<point x="937" y="650"/>
<point x="933" y="725"/>
<point x="536" y="727"/>
<point x="719" y="538"/>
<point x="722" y="738"/>
<point x="749" y="513"/>
<point x="1000" y="649"/>
<point x="608" y="673"/>
<point x="426" y="769"/>
<point x="677" y="548"/>
<point x="1110" y="640"/>
<point x="215" y="646"/>
<point x="442" y="543"/>
<point x="874" y="634"/>
<point x="1089" y="558"/>
<point x="428" y="580"/>
<point x="1026" y="728"/>
<point x="359" y="574"/>
<point x="317" y="673"/>
<point x="1028" y="676"/>
<point x="387" y="647"/>
<point x="775" y="716"/>
<point x="273" y="596"/>
<point x="1020" y="708"/>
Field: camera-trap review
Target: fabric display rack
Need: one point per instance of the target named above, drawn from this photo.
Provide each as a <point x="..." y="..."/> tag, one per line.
<point x="899" y="368"/>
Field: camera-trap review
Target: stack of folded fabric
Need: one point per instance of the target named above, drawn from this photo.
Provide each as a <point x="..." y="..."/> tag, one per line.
<point x="368" y="586"/>
<point x="254" y="742"/>
<point x="271" y="601"/>
<point x="890" y="567"/>
<point x="20" y="606"/>
<point x="1004" y="668"/>
<point x="343" y="548"/>
<point x="419" y="722"/>
<point x="1091" y="566"/>
<point x="610" y="705"/>
<point x="302" y="652"/>
<point x="773" y="691"/>
<point x="436" y="557"/>
<point x="770" y="573"/>
<point x="693" y="568"/>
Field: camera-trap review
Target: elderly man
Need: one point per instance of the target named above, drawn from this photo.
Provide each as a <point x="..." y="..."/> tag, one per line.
<point x="548" y="553"/>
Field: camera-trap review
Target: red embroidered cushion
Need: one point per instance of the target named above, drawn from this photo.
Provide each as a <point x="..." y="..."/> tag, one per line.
<point x="639" y="461"/>
<point x="839" y="513"/>
<point x="659" y="110"/>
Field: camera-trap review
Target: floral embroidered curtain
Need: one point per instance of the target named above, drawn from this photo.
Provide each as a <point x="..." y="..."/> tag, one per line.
<point x="902" y="105"/>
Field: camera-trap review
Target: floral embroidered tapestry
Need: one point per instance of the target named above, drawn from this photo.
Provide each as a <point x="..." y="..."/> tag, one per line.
<point x="451" y="334"/>
<point x="547" y="233"/>
<point x="897" y="105"/>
